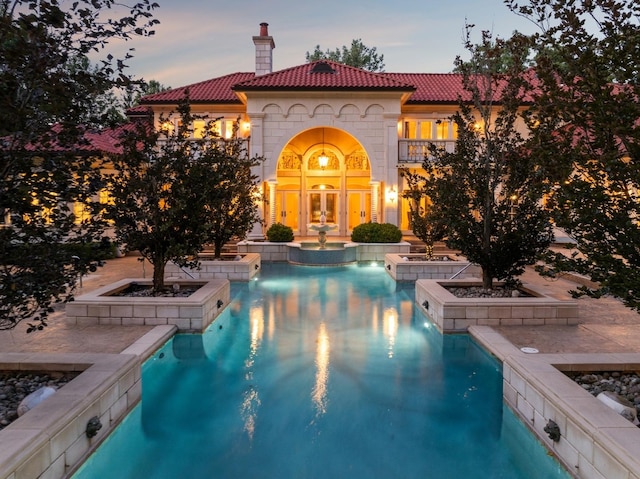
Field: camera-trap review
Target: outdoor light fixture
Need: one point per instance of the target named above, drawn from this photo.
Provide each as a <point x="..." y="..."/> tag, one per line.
<point x="392" y="195"/>
<point x="323" y="159"/>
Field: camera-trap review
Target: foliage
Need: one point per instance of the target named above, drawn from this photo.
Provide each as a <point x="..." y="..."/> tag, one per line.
<point x="376" y="233"/>
<point x="43" y="100"/>
<point x="422" y="227"/>
<point x="588" y="112"/>
<point x="486" y="194"/>
<point x="173" y="193"/>
<point x="357" y="55"/>
<point x="279" y="233"/>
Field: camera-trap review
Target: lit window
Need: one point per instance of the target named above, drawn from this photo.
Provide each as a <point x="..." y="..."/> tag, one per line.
<point x="442" y="130"/>
<point x="426" y="130"/>
<point x="198" y="128"/>
<point x="81" y="212"/>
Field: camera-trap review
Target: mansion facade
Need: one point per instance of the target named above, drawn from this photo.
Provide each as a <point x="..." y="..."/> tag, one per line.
<point x="334" y="139"/>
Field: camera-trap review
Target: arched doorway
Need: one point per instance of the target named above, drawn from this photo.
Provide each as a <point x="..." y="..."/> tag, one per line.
<point x="339" y="187"/>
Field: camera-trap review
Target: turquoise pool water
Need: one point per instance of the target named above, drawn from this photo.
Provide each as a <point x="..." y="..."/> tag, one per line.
<point x="321" y="373"/>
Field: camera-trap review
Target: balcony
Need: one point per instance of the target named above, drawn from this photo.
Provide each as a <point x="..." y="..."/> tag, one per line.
<point x="413" y="152"/>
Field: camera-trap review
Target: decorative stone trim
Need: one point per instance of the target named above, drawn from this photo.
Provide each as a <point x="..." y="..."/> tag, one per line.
<point x="452" y="314"/>
<point x="192" y="313"/>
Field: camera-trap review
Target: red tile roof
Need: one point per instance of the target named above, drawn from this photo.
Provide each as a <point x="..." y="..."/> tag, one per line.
<point x="431" y="87"/>
<point x="323" y="75"/>
<point x="217" y="90"/>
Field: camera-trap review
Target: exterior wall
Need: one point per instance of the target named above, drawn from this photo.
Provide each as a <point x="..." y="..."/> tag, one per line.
<point x="371" y="119"/>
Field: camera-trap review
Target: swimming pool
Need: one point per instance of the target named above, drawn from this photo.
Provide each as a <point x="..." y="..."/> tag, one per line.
<point x="321" y="372"/>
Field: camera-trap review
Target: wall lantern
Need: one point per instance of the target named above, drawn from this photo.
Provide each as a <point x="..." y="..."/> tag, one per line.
<point x="323" y="159"/>
<point x="392" y="195"/>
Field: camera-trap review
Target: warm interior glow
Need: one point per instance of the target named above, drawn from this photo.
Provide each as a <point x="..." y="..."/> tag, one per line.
<point x="323" y="160"/>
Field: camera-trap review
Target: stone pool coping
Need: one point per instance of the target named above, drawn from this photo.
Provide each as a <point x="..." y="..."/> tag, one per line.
<point x="596" y="442"/>
<point x="49" y="440"/>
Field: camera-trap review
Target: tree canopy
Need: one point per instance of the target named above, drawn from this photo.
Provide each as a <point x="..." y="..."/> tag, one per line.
<point x="173" y="191"/>
<point x="357" y="55"/>
<point x="485" y="195"/>
<point x="587" y="117"/>
<point x="45" y="109"/>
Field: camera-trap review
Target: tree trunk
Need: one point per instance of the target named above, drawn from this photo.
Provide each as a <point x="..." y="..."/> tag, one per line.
<point x="217" y="249"/>
<point x="487" y="280"/>
<point x="158" y="275"/>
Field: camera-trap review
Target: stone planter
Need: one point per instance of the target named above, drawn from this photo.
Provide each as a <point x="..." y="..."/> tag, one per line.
<point x="242" y="269"/>
<point x="268" y="251"/>
<point x="378" y="251"/>
<point x="452" y="314"/>
<point x="192" y="313"/>
<point x="401" y="269"/>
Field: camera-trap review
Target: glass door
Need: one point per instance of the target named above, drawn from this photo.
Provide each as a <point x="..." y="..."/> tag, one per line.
<point x="323" y="202"/>
<point x="359" y="208"/>
<point x="288" y="209"/>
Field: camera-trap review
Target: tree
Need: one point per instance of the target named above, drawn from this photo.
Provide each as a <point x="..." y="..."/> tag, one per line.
<point x="43" y="105"/>
<point x="358" y="55"/>
<point x="588" y="112"/>
<point x="173" y="193"/>
<point x="486" y="195"/>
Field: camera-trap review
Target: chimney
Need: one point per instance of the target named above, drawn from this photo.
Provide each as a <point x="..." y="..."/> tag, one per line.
<point x="264" y="48"/>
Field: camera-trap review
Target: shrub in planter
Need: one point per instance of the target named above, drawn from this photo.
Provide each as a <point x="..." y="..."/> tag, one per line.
<point x="376" y="233"/>
<point x="279" y="233"/>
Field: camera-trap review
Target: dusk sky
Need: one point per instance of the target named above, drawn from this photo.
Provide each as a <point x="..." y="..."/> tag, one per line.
<point x="202" y="39"/>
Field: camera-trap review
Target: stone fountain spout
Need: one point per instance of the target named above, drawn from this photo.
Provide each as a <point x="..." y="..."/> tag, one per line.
<point x="322" y="229"/>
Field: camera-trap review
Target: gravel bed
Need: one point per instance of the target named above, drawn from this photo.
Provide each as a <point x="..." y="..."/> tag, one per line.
<point x="480" y="292"/>
<point x="625" y="385"/>
<point x="14" y="387"/>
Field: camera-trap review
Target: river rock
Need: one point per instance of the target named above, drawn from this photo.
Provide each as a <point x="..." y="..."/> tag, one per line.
<point x="35" y="398"/>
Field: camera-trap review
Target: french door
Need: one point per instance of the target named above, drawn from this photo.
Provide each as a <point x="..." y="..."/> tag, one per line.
<point x="358" y="208"/>
<point x="323" y="202"/>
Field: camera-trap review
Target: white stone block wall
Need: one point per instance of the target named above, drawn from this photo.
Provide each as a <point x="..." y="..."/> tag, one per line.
<point x="452" y="314"/>
<point x="268" y="252"/>
<point x="236" y="270"/>
<point x="378" y="251"/>
<point x="192" y="313"/>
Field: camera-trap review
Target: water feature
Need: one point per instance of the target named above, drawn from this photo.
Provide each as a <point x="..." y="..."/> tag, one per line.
<point x="329" y="253"/>
<point x="321" y="372"/>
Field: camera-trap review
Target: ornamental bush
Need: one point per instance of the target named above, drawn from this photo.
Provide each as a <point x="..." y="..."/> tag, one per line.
<point x="279" y="233"/>
<point x="376" y="233"/>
